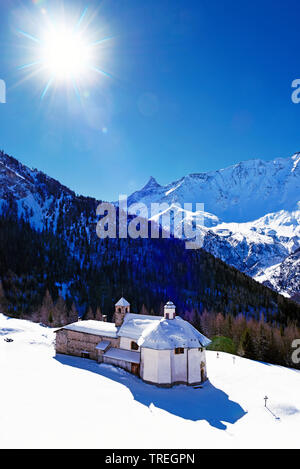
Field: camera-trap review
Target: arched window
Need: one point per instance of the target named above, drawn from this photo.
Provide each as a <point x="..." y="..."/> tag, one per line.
<point x="134" y="346"/>
<point x="119" y="310"/>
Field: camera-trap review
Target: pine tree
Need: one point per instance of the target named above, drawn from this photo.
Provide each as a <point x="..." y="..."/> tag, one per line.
<point x="196" y="319"/>
<point x="98" y="315"/>
<point x="144" y="310"/>
<point x="246" y="347"/>
<point x="73" y="314"/>
<point x="3" y="300"/>
<point x="60" y="317"/>
<point x="89" y="314"/>
<point x="263" y="341"/>
<point x="47" y="309"/>
<point x="219" y="324"/>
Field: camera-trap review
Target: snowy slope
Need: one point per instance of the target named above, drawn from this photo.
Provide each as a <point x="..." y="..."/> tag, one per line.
<point x="285" y="276"/>
<point x="69" y="402"/>
<point x="239" y="193"/>
<point x="37" y="197"/>
<point x="255" y="246"/>
<point x="26" y="189"/>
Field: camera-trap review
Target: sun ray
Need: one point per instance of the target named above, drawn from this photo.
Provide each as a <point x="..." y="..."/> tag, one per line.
<point x="81" y="18"/>
<point x="101" y="72"/>
<point x="28" y="36"/>
<point x="100" y="41"/>
<point x="32" y="64"/>
<point x="46" y="88"/>
<point x="66" y="52"/>
<point x="27" y="77"/>
<point x="76" y="90"/>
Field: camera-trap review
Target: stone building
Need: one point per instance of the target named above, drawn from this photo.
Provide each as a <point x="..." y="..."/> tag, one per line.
<point x="161" y="350"/>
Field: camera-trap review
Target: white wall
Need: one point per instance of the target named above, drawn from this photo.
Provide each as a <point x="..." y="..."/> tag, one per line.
<point x="156" y="366"/>
<point x="149" y="365"/>
<point x="179" y="366"/>
<point x="125" y="343"/>
<point x="195" y="357"/>
<point x="165" y="367"/>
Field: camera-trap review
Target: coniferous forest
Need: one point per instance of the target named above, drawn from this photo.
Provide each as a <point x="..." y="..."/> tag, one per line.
<point x="44" y="280"/>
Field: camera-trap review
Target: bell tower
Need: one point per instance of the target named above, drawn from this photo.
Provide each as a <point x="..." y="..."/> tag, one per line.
<point x="121" y="308"/>
<point x="169" y="310"/>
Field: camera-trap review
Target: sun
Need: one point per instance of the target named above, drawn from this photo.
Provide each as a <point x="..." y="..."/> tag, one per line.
<point x="64" y="53"/>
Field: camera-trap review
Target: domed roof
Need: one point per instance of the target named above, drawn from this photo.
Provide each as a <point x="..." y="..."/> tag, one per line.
<point x="170" y="305"/>
<point x="122" y="302"/>
<point x="157" y="333"/>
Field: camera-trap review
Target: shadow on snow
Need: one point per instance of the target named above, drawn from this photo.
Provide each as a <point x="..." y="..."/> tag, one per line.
<point x="209" y="403"/>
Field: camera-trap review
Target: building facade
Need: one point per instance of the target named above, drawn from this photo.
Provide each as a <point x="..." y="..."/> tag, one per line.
<point x="161" y="350"/>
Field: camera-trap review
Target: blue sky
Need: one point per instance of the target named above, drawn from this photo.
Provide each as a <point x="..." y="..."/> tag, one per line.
<point x="195" y="86"/>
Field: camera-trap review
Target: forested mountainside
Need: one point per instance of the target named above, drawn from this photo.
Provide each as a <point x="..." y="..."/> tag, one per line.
<point x="49" y="252"/>
<point x="93" y="274"/>
<point x="251" y="217"/>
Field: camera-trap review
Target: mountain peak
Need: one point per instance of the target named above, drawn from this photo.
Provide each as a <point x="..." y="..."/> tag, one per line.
<point x="151" y="183"/>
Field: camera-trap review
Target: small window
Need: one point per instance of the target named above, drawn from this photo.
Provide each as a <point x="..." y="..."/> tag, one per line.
<point x="85" y="355"/>
<point x="119" y="310"/>
<point x="134" y="346"/>
<point x="179" y="350"/>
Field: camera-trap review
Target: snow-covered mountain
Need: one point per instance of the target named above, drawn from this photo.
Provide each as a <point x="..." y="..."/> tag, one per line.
<point x="240" y="193"/>
<point x="251" y="215"/>
<point x="284" y="277"/>
<point x="256" y="247"/>
<point x="39" y="198"/>
<point x="238" y="225"/>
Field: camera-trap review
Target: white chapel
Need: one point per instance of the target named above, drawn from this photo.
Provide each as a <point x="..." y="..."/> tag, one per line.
<point x="162" y="350"/>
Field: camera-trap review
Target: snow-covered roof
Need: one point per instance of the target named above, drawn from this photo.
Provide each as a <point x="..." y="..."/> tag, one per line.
<point x="106" y="329"/>
<point x="158" y="333"/>
<point x="121" y="354"/>
<point x="170" y="305"/>
<point x="169" y="334"/>
<point x="153" y="332"/>
<point x="103" y="345"/>
<point x="135" y="324"/>
<point x="122" y="302"/>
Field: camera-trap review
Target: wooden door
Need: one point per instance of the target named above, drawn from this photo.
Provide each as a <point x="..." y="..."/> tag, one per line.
<point x="135" y="369"/>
